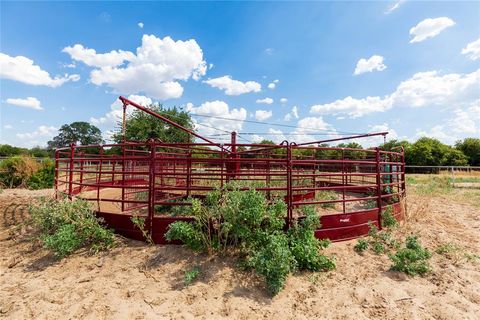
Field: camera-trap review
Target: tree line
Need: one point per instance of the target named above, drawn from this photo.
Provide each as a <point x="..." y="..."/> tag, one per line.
<point x="141" y="127"/>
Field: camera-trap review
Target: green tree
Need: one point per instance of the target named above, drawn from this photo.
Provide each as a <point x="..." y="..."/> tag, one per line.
<point x="141" y="126"/>
<point x="77" y="132"/>
<point x="471" y="149"/>
<point x="392" y="144"/>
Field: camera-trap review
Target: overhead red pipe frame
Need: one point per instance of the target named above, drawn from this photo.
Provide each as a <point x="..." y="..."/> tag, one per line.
<point x="345" y="138"/>
<point x="127" y="102"/>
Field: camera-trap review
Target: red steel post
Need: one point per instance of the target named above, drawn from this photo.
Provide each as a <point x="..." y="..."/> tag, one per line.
<point x="151" y="188"/>
<point x="379" y="187"/>
<point x="70" y="185"/>
<point x="56" y="173"/>
<point x="289" y="186"/>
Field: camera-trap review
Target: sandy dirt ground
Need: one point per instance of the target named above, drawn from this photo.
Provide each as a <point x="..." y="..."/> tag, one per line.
<point x="137" y="281"/>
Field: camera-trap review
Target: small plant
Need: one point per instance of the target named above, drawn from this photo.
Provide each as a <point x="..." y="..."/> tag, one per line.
<point x="139" y="223"/>
<point x="361" y="245"/>
<point x="44" y="177"/>
<point x="191" y="276"/>
<point x="388" y="220"/>
<point x="370" y="203"/>
<point x="65" y="226"/>
<point x="447" y="249"/>
<point x="412" y="259"/>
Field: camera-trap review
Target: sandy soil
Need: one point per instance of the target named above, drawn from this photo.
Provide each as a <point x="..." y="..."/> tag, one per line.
<point x="136" y="281"/>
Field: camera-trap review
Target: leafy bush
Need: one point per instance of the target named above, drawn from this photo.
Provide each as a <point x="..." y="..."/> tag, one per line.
<point x="66" y="226"/>
<point x="16" y="171"/>
<point x="388" y="220"/>
<point x="361" y="245"/>
<point x="191" y="276"/>
<point x="44" y="177"/>
<point x="412" y="258"/>
<point x="245" y="221"/>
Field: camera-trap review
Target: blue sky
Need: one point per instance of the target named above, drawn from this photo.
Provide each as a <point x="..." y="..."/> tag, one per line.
<point x="411" y="68"/>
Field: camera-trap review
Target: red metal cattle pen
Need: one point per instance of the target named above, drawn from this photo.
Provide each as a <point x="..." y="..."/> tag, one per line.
<point x="348" y="187"/>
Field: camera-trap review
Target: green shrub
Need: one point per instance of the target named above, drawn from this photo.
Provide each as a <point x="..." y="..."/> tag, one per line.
<point x="65" y="226"/>
<point x="361" y="246"/>
<point x="16" y="171"/>
<point x="44" y="177"/>
<point x="305" y="247"/>
<point x="412" y="259"/>
<point x="274" y="261"/>
<point x="388" y="220"/>
<point x="191" y="276"/>
<point x="244" y="220"/>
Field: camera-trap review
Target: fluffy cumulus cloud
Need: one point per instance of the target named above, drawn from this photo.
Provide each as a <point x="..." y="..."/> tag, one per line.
<point x="265" y="101"/>
<point x="308" y="129"/>
<point x="220" y="117"/>
<point x="472" y="50"/>
<point x="374" y="63"/>
<point x="100" y="60"/>
<point x="115" y="114"/>
<point x="24" y="70"/>
<point x="283" y="100"/>
<point x="262" y="115"/>
<point x="421" y="90"/>
<point x="140" y="25"/>
<point x="30" y="102"/>
<point x="155" y="69"/>
<point x="233" y="87"/>
<point x="429" y="28"/>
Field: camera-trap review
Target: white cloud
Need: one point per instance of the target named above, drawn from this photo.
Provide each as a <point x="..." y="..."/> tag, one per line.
<point x="140" y="25"/>
<point x="42" y="131"/>
<point x="429" y="28"/>
<point x="262" y="115"/>
<point x="421" y="90"/>
<point x="374" y="63"/>
<point x="353" y="107"/>
<point x="154" y="70"/>
<point x="273" y="84"/>
<point x="116" y="111"/>
<point x="24" y="70"/>
<point x="309" y="127"/>
<point x="93" y="59"/>
<point x="394" y="6"/>
<point x="292" y="114"/>
<point x="283" y="100"/>
<point x="472" y="50"/>
<point x="256" y="138"/>
<point x="233" y="87"/>
<point x="30" y="102"/>
<point x="269" y="51"/>
<point x="220" y="109"/>
<point x="276" y="136"/>
<point x="7" y="127"/>
<point x="265" y="101"/>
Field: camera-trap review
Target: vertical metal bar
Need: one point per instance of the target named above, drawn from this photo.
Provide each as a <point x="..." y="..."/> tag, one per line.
<point x="151" y="189"/>
<point x="99" y="177"/>
<point x="289" y="186"/>
<point x="57" y="167"/>
<point x="124" y="168"/>
<point x="70" y="185"/>
<point x="267" y="176"/>
<point x="189" y="172"/>
<point x="379" y="188"/>
<point x="82" y="155"/>
<point x="344" y="181"/>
